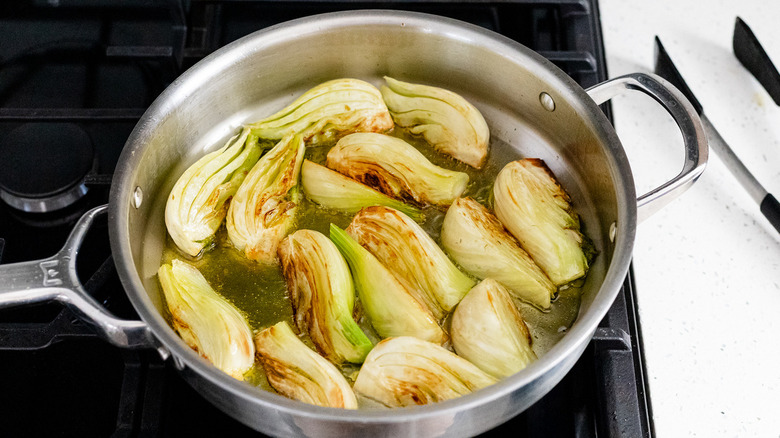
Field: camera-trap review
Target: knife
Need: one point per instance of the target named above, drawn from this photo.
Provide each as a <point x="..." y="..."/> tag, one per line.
<point x="753" y="56"/>
<point x="770" y="208"/>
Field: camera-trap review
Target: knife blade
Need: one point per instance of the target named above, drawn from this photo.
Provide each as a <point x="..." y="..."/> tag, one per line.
<point x="769" y="206"/>
<point x="752" y="55"/>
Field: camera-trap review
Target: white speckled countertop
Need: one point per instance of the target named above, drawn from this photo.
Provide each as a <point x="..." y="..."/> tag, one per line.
<point x="708" y="265"/>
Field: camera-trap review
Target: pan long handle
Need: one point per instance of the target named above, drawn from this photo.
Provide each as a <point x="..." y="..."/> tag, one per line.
<point x="683" y="113"/>
<point x="55" y="279"/>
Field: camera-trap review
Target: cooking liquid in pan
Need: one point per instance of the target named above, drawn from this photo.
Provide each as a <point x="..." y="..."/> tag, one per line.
<point x="261" y="293"/>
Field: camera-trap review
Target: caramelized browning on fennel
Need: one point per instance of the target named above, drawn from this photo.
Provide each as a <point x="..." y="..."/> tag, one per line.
<point x="260" y="290"/>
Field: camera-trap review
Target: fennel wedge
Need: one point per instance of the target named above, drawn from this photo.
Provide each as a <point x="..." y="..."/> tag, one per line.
<point x="489" y="331"/>
<point x="533" y="206"/>
<point x="327" y="112"/>
<point x="198" y="202"/>
<point x="390" y="306"/>
<point x="406" y="371"/>
<point x="297" y="372"/>
<point x="323" y="296"/>
<point x="395" y="168"/>
<point x="206" y="322"/>
<point x="478" y="242"/>
<point x="264" y="207"/>
<point x="445" y="119"/>
<point x="333" y="190"/>
<point x="412" y="255"/>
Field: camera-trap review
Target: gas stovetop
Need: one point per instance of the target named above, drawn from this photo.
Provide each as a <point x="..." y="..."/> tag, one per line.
<point x="75" y="76"/>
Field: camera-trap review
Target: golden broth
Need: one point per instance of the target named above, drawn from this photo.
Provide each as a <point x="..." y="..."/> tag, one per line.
<point x="260" y="291"/>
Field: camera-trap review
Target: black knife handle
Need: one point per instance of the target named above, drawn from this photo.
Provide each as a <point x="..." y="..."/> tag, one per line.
<point x="771" y="210"/>
<point x="752" y="55"/>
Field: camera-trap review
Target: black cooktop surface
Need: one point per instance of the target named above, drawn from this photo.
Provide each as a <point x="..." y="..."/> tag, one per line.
<point x="86" y="71"/>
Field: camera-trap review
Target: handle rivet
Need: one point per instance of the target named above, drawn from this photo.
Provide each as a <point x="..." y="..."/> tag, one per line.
<point x="138" y="197"/>
<point x="612" y="232"/>
<point x="178" y="363"/>
<point x="164" y="353"/>
<point x="547" y="101"/>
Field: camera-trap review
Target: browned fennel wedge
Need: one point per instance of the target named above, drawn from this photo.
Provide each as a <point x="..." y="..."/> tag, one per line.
<point x="407" y="371"/>
<point x="208" y="323"/>
<point x="480" y="244"/>
<point x="263" y="209"/>
<point x="299" y="373"/>
<point x="333" y="190"/>
<point x="488" y="331"/>
<point x="198" y="202"/>
<point x="445" y="119"/>
<point x="532" y="205"/>
<point x="413" y="256"/>
<point x="328" y="111"/>
<point x="395" y="168"/>
<point x="391" y="308"/>
<point x="323" y="296"/>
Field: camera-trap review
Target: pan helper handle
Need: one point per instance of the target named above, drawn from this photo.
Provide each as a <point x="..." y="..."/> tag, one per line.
<point x="683" y="113"/>
<point x="55" y="279"/>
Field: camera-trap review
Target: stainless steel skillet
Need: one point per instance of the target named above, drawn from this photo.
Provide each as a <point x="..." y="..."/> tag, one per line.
<point x="532" y="107"/>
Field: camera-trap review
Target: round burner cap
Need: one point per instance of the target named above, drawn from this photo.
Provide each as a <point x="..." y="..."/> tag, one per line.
<point x="44" y="164"/>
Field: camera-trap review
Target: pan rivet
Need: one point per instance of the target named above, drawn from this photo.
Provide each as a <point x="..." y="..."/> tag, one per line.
<point x="138" y="197"/>
<point x="612" y="232"/>
<point x="547" y="101"/>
